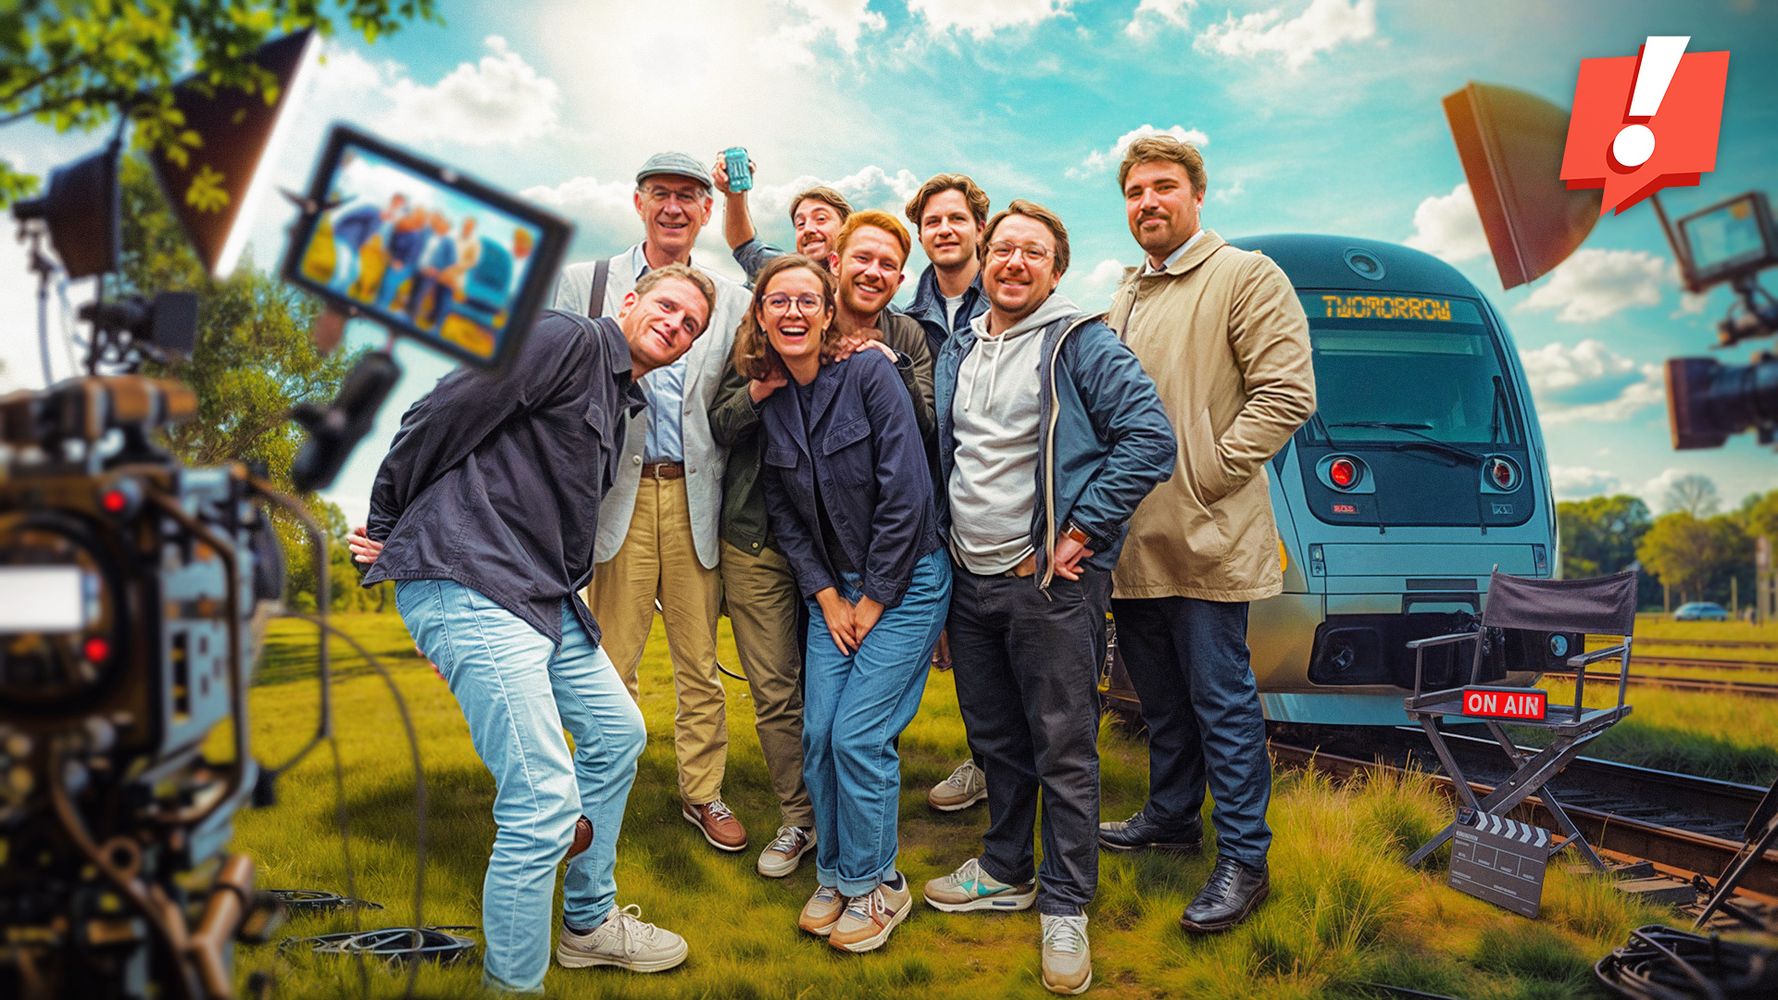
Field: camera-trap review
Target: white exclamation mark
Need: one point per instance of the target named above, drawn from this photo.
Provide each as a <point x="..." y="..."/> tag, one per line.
<point x="1654" y="71"/>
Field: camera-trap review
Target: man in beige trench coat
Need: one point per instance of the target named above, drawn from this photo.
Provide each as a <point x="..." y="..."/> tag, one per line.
<point x="1223" y="336"/>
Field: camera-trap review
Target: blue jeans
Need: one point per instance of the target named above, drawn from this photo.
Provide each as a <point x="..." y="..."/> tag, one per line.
<point x="518" y="691"/>
<point x="853" y="709"/>
<point x="1189" y="663"/>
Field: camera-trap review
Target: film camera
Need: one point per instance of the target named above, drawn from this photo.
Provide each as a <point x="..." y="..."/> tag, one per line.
<point x="134" y="589"/>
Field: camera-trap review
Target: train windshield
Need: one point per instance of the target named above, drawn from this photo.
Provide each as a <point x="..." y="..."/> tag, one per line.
<point x="1399" y="368"/>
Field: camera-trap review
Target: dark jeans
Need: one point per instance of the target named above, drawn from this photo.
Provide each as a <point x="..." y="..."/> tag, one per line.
<point x="1027" y="668"/>
<point x="1189" y="663"/>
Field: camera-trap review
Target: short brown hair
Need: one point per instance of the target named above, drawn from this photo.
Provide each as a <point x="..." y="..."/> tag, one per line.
<point x="977" y="198"/>
<point x="880" y="220"/>
<point x="824" y="194"/>
<point x="1164" y="147"/>
<point x="754" y="355"/>
<point x="684" y="272"/>
<point x="1032" y="210"/>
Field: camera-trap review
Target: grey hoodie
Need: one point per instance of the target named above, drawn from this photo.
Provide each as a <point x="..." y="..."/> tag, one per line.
<point x="994" y="418"/>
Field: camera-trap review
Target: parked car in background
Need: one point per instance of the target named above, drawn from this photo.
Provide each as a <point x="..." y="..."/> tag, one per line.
<point x="1701" y="611"/>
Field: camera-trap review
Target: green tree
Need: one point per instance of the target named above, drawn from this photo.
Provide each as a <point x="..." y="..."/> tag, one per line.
<point x="1599" y="534"/>
<point x="1696" y="557"/>
<point x="254" y="360"/>
<point x="76" y="65"/>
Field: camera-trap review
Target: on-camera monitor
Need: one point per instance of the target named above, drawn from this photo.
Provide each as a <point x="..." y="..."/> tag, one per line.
<point x="1730" y="239"/>
<point x="424" y="250"/>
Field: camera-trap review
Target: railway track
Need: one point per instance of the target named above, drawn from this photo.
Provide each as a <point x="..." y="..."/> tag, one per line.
<point x="1742" y="688"/>
<point x="1710" y="643"/>
<point x="1696" y="663"/>
<point x="1681" y="822"/>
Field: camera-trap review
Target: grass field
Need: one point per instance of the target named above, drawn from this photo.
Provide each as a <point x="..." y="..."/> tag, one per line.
<point x="1345" y="911"/>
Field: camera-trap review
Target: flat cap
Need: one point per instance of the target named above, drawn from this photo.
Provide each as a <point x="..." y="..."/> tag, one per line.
<point x="677" y="164"/>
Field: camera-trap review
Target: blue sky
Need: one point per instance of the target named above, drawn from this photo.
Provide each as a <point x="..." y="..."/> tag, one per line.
<point x="1314" y="115"/>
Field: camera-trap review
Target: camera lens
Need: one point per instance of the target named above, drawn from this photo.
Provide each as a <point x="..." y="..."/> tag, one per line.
<point x="1364" y="264"/>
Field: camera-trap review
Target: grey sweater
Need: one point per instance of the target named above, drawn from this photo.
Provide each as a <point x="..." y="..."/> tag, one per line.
<point x="994" y="419"/>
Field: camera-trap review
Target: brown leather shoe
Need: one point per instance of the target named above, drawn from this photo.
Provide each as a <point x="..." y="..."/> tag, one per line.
<point x="717" y="824"/>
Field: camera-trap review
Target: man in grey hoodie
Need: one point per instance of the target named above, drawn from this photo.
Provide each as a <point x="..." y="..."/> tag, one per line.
<point x="1050" y="434"/>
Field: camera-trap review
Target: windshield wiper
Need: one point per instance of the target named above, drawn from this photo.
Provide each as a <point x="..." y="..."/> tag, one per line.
<point x="1422" y="439"/>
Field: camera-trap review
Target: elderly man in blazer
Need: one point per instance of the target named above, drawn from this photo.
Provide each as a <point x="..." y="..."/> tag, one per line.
<point x="658" y="540"/>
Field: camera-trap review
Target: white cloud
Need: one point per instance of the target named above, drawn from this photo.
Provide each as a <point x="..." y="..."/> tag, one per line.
<point x="981" y="18"/>
<point x="868" y="187"/>
<point x="1595" y="284"/>
<point x="1103" y="159"/>
<point x="1091" y="288"/>
<point x="1590" y="383"/>
<point x="497" y="100"/>
<point x="1323" y="26"/>
<point x="844" y="20"/>
<point x="1577" y="482"/>
<point x="1153" y="15"/>
<point x="1448" y="227"/>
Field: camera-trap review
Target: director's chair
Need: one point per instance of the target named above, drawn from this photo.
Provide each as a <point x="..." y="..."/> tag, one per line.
<point x="1603" y="605"/>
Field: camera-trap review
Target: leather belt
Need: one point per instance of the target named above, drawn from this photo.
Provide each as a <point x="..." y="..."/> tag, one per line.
<point x="1026" y="567"/>
<point x="663" y="470"/>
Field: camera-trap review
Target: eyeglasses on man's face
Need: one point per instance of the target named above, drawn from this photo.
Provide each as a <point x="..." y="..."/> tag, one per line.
<point x="1003" y="251"/>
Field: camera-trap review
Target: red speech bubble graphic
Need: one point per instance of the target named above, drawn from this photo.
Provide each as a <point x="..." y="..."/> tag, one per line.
<point x="1631" y="136"/>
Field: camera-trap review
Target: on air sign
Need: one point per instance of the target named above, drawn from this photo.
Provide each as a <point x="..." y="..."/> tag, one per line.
<point x="1506" y="703"/>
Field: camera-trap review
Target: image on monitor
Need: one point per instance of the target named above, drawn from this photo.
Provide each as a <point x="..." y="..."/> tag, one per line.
<point x="422" y="250"/>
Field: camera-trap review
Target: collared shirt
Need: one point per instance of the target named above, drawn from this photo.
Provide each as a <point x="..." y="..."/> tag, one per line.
<point x="1172" y="258"/>
<point x="665" y="388"/>
<point x="488" y="481"/>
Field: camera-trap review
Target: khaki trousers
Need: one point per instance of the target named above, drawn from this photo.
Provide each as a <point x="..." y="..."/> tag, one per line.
<point x="658" y="560"/>
<point x="762" y="605"/>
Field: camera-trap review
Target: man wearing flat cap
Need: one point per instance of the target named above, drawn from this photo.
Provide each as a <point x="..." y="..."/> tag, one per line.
<point x="658" y="530"/>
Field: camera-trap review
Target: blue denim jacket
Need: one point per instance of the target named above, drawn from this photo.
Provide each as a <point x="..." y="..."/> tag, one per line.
<point x="1104" y="439"/>
<point x="929" y="308"/>
<point x="863" y="445"/>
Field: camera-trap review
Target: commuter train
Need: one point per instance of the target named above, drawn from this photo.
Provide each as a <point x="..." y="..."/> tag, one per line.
<point x="1421" y="471"/>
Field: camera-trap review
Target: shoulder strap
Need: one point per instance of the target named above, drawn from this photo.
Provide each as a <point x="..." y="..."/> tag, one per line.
<point x="595" y="306"/>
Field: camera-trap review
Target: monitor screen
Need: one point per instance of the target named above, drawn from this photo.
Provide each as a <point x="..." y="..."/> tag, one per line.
<point x="1729" y="239"/>
<point x="423" y="250"/>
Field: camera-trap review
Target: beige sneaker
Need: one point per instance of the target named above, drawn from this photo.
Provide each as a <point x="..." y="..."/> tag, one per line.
<point x="822" y="911"/>
<point x="966" y="786"/>
<point x="869" y="918"/>
<point x="624" y="940"/>
<point x="971" y="888"/>
<point x="786" y="851"/>
<point x="1067" y="960"/>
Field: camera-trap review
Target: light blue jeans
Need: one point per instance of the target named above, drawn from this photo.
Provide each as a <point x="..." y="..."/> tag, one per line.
<point x="518" y="691"/>
<point x="853" y="708"/>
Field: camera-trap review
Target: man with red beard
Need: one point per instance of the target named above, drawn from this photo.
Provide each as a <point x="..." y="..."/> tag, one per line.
<point x="816" y="214"/>
<point x="870" y="251"/>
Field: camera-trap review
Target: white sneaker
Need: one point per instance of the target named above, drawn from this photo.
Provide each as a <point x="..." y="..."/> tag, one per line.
<point x="785" y="852"/>
<point x="971" y="888"/>
<point x="1067" y="959"/>
<point x="624" y="940"/>
<point x="966" y="786"/>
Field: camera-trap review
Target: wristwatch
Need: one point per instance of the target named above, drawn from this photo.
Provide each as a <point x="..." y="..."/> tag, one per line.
<point x="1075" y="533"/>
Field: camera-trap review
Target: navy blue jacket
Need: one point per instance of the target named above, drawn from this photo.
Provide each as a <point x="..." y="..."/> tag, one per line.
<point x="929" y="308"/>
<point x="1104" y="440"/>
<point x="863" y="445"/>
<point x="494" y="481"/>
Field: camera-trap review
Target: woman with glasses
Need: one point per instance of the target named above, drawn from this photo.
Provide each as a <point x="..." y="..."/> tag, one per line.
<point x="850" y="501"/>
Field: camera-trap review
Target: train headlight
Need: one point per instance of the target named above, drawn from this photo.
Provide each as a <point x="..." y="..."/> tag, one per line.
<point x="1502" y="473"/>
<point x="1343" y="472"/>
<point x="1558" y="645"/>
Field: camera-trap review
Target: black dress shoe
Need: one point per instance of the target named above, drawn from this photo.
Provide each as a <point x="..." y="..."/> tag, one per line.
<point x="1229" y="895"/>
<point x="1139" y="832"/>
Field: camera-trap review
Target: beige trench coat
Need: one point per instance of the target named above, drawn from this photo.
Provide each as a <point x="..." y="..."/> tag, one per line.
<point x="1224" y="338"/>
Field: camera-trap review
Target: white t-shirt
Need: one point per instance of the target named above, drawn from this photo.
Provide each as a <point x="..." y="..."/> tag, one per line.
<point x="952" y="304"/>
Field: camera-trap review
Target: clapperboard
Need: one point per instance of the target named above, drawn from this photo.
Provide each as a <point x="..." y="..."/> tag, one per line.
<point x="1500" y="860"/>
